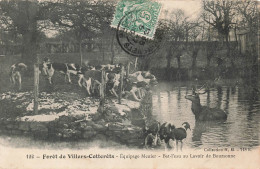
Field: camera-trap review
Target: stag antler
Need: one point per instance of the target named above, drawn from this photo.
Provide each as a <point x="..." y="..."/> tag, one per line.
<point x="196" y="91"/>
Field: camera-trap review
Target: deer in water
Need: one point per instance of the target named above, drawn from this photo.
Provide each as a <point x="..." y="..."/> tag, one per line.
<point x="204" y="113"/>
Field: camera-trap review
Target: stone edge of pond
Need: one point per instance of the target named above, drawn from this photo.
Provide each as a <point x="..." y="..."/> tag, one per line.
<point x="109" y="125"/>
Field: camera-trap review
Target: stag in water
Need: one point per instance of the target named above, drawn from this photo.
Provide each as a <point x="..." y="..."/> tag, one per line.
<point x="204" y="113"/>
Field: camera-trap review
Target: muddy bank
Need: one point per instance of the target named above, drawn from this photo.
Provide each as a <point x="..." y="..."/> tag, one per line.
<point x="67" y="116"/>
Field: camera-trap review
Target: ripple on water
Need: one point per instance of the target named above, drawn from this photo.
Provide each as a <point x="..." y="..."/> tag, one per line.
<point x="240" y="129"/>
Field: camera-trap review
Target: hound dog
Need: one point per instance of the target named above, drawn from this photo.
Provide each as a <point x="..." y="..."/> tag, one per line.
<point x="16" y="71"/>
<point x="151" y="131"/>
<point x="166" y="133"/>
<point x="92" y="81"/>
<point x="64" y="68"/>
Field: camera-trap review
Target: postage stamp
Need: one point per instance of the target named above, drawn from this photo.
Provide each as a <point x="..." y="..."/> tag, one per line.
<point x="134" y="44"/>
<point x="144" y="16"/>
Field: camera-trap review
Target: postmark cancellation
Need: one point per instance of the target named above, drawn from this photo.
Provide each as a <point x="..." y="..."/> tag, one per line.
<point x="144" y="17"/>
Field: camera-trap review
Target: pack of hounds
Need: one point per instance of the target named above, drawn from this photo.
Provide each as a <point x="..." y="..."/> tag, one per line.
<point x="90" y="77"/>
<point x="156" y="134"/>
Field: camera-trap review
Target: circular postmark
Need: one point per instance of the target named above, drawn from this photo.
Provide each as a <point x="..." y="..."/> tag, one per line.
<point x="132" y="42"/>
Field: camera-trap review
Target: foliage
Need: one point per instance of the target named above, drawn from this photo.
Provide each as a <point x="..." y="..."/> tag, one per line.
<point x="87" y="19"/>
<point x="81" y="21"/>
<point x="247" y="15"/>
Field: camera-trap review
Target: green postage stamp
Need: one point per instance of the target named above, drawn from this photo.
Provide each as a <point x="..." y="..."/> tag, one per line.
<point x="138" y="16"/>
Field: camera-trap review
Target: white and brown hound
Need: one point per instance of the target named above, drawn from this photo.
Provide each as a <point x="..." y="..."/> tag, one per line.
<point x="64" y="68"/>
<point x="16" y="71"/>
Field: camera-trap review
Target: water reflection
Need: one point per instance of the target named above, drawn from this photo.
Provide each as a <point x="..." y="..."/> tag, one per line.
<point x="208" y="98"/>
<point x="241" y="128"/>
<point x="227" y="99"/>
<point x="220" y="94"/>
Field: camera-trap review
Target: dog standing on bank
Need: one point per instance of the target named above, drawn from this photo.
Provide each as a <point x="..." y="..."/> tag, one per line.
<point x="16" y="72"/>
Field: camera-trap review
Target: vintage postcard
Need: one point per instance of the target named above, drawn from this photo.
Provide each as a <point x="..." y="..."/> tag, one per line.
<point x="129" y="84"/>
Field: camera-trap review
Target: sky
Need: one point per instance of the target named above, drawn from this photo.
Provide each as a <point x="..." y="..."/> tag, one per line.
<point x="191" y="8"/>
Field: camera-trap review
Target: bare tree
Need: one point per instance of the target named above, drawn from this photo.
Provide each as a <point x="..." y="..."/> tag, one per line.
<point x="248" y="20"/>
<point x="207" y="37"/>
<point x="249" y="15"/>
<point x="176" y="31"/>
<point x="222" y="14"/>
<point x="180" y="32"/>
<point x="194" y="45"/>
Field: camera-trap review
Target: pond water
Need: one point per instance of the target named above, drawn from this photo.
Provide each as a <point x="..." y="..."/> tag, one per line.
<point x="241" y="129"/>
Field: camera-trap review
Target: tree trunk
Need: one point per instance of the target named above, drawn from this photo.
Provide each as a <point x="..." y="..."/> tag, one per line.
<point x="29" y="49"/>
<point x="144" y="66"/>
<point x="209" y="35"/>
<point x="228" y="51"/>
<point x="178" y="75"/>
<point x="169" y="58"/>
<point x="235" y="30"/>
<point x="136" y="59"/>
<point x="29" y="34"/>
<point x="193" y="64"/>
<point x="208" y="58"/>
<point x="187" y="38"/>
<point x="103" y="50"/>
<point x="168" y="66"/>
<point x="179" y="61"/>
<point x="203" y="30"/>
<point x="121" y="84"/>
<point x="194" y="59"/>
<point x="36" y="88"/>
<point x="254" y="56"/>
<point x="80" y="51"/>
<point x="112" y="49"/>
